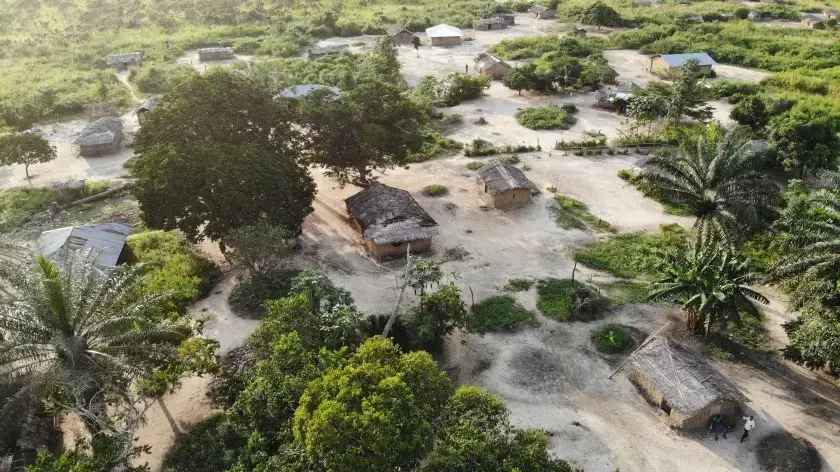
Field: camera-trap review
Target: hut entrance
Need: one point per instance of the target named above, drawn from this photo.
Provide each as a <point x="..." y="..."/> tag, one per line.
<point x="665" y="406"/>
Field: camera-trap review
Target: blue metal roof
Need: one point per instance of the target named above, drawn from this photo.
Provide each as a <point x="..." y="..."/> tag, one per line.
<point x="677" y="60"/>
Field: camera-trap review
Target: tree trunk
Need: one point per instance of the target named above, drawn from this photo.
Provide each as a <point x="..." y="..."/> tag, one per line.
<point x="802" y="172"/>
<point x="26" y="169"/>
<point x="363" y="172"/>
<point x="223" y="248"/>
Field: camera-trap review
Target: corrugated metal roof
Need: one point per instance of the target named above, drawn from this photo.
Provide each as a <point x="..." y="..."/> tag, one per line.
<point x="678" y="60"/>
<point x="109" y="238"/>
<point x="443" y="31"/>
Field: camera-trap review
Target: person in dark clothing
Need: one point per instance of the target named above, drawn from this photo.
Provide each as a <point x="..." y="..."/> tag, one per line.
<point x="718" y="426"/>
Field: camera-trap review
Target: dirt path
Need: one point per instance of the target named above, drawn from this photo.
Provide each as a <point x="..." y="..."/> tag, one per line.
<point x="123" y="76"/>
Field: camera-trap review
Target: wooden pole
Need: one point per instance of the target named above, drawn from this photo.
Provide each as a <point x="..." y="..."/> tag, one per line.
<point x="637" y="349"/>
<point x="406" y="281"/>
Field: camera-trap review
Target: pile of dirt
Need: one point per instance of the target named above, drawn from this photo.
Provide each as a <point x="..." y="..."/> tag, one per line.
<point x="780" y="451"/>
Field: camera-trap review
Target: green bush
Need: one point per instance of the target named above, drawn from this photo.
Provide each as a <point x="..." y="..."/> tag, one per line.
<point x="212" y="446"/>
<point x="434" y="145"/>
<point x="547" y="117"/>
<point x="552" y="189"/>
<point x="519" y="285"/>
<point x="627" y="174"/>
<point x="569" y="300"/>
<point x="248" y="298"/>
<point x="435" y="190"/>
<point x="474" y="165"/>
<point x="499" y="312"/>
<point x="453" y="88"/>
<point x="632" y="255"/>
<point x="573" y="214"/>
<point x="17" y="205"/>
<point x="174" y="266"/>
<point x="510" y="159"/>
<point x="160" y="77"/>
<point x="612" y="339"/>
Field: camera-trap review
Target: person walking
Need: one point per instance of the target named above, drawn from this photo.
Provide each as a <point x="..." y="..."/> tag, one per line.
<point x="748" y="426"/>
<point x="718" y="426"/>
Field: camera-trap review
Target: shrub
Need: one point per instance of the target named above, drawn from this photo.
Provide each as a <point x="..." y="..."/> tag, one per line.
<point x="499" y="312"/>
<point x="435" y="190"/>
<point x="632" y="255"/>
<point x="627" y="174"/>
<point x="248" y="298"/>
<point x="172" y="265"/>
<point x="474" y="165"/>
<point x="569" y="108"/>
<point x="519" y="285"/>
<point x="547" y="117"/>
<point x="573" y="214"/>
<point x="454" y="88"/>
<point x="612" y="339"/>
<point x="586" y="143"/>
<point x="510" y="159"/>
<point x="434" y="144"/>
<point x="452" y="119"/>
<point x="569" y="300"/>
<point x="17" y="205"/>
<point x="213" y="445"/>
<point x="552" y="189"/>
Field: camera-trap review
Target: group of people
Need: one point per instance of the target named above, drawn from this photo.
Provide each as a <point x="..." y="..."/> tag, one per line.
<point x="720" y="428"/>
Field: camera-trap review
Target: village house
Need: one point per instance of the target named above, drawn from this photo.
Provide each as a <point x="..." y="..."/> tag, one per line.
<point x="615" y="97"/>
<point x="507" y="18"/>
<point x="400" y="35"/>
<point x="668" y="64"/>
<point x="503" y="186"/>
<point x="577" y="32"/>
<point x="542" y="13"/>
<point x="124" y="60"/>
<point x="487" y="24"/>
<point x="491" y="66"/>
<point x="444" y="35"/>
<point x="106" y="240"/>
<point x="215" y="54"/>
<point x="103" y="136"/>
<point x="814" y="21"/>
<point x="682" y="385"/>
<point x="321" y="51"/>
<point x="390" y="221"/>
<point x="150" y="104"/>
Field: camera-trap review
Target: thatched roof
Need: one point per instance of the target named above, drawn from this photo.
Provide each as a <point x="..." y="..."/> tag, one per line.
<point x="397" y="29"/>
<point x="107" y="238"/>
<point x="500" y="177"/>
<point x="390" y="215"/>
<point x="150" y="104"/>
<point x="324" y="50"/>
<point x="216" y="50"/>
<point x="488" y="21"/>
<point x="687" y="383"/>
<point x="102" y="131"/>
<point x="124" y="57"/>
<point x="486" y="60"/>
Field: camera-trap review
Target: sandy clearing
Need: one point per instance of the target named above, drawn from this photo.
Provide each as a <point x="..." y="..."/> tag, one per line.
<point x="190" y="58"/>
<point x="633" y="65"/>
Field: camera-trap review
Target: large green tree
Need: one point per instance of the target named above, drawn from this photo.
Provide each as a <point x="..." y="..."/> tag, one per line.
<point x="25" y="149"/>
<point x="805" y="140"/>
<point x="687" y="96"/>
<point x="372" y="127"/>
<point x="438" y="315"/>
<point x="600" y="14"/>
<point x="377" y="413"/>
<point x="219" y="154"/>
<point x="710" y="282"/>
<point x="79" y="339"/>
<point x="717" y="178"/>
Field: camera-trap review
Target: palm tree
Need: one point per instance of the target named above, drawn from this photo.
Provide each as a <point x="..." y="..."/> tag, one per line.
<point x="711" y="284"/>
<point x="717" y="178"/>
<point x="75" y="337"/>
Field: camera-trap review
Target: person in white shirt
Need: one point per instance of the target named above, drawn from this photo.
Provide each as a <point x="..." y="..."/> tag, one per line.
<point x="749" y="425"/>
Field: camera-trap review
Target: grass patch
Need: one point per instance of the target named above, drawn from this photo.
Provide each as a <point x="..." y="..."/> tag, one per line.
<point x="569" y="300"/>
<point x="547" y="117"/>
<point x="625" y="291"/>
<point x="500" y="312"/>
<point x="457" y="253"/>
<point x="573" y="214"/>
<point x="248" y="298"/>
<point x="435" y="190"/>
<point x="612" y="339"/>
<point x="735" y="341"/>
<point x="632" y="255"/>
<point x="17" y="205"/>
<point x="519" y="285"/>
<point x="633" y="178"/>
<point x="474" y="165"/>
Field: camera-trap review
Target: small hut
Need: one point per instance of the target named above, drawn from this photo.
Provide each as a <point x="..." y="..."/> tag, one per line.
<point x="814" y="22"/>
<point x="487" y="24"/>
<point x="400" y="35"/>
<point x="444" y="35"/>
<point x="615" y="97"/>
<point x="124" y="60"/>
<point x="503" y="186"/>
<point x="390" y="221"/>
<point x="668" y="64"/>
<point x="507" y="18"/>
<point x="150" y="104"/>
<point x="682" y="385"/>
<point x="542" y="13"/>
<point x="491" y="66"/>
<point x="321" y="51"/>
<point x="577" y="32"/>
<point x="103" y="136"/>
<point x="108" y="239"/>
<point x="215" y="54"/>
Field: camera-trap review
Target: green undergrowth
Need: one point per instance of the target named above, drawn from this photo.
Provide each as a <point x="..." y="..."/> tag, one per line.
<point x="519" y="285"/>
<point x="248" y="298"/>
<point x="501" y="312"/>
<point x="572" y="214"/>
<point x="622" y="292"/>
<point x="736" y="341"/>
<point x="612" y="339"/>
<point x="17" y="205"/>
<point x="570" y="300"/>
<point x="632" y="255"/>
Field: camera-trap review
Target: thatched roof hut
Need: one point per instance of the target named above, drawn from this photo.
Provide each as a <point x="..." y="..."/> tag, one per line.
<point x="103" y="136"/>
<point x="390" y="220"/>
<point x="491" y="66"/>
<point x="321" y="51"/>
<point x="487" y="24"/>
<point x="504" y="186"/>
<point x="124" y="59"/>
<point x="681" y="384"/>
<point x="507" y="18"/>
<point x="216" y="53"/>
<point x="149" y="105"/>
<point x="400" y="34"/>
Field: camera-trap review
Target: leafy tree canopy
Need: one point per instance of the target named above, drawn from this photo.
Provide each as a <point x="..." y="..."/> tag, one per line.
<point x="600" y="14"/>
<point x="25" y="149"/>
<point x="805" y="139"/>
